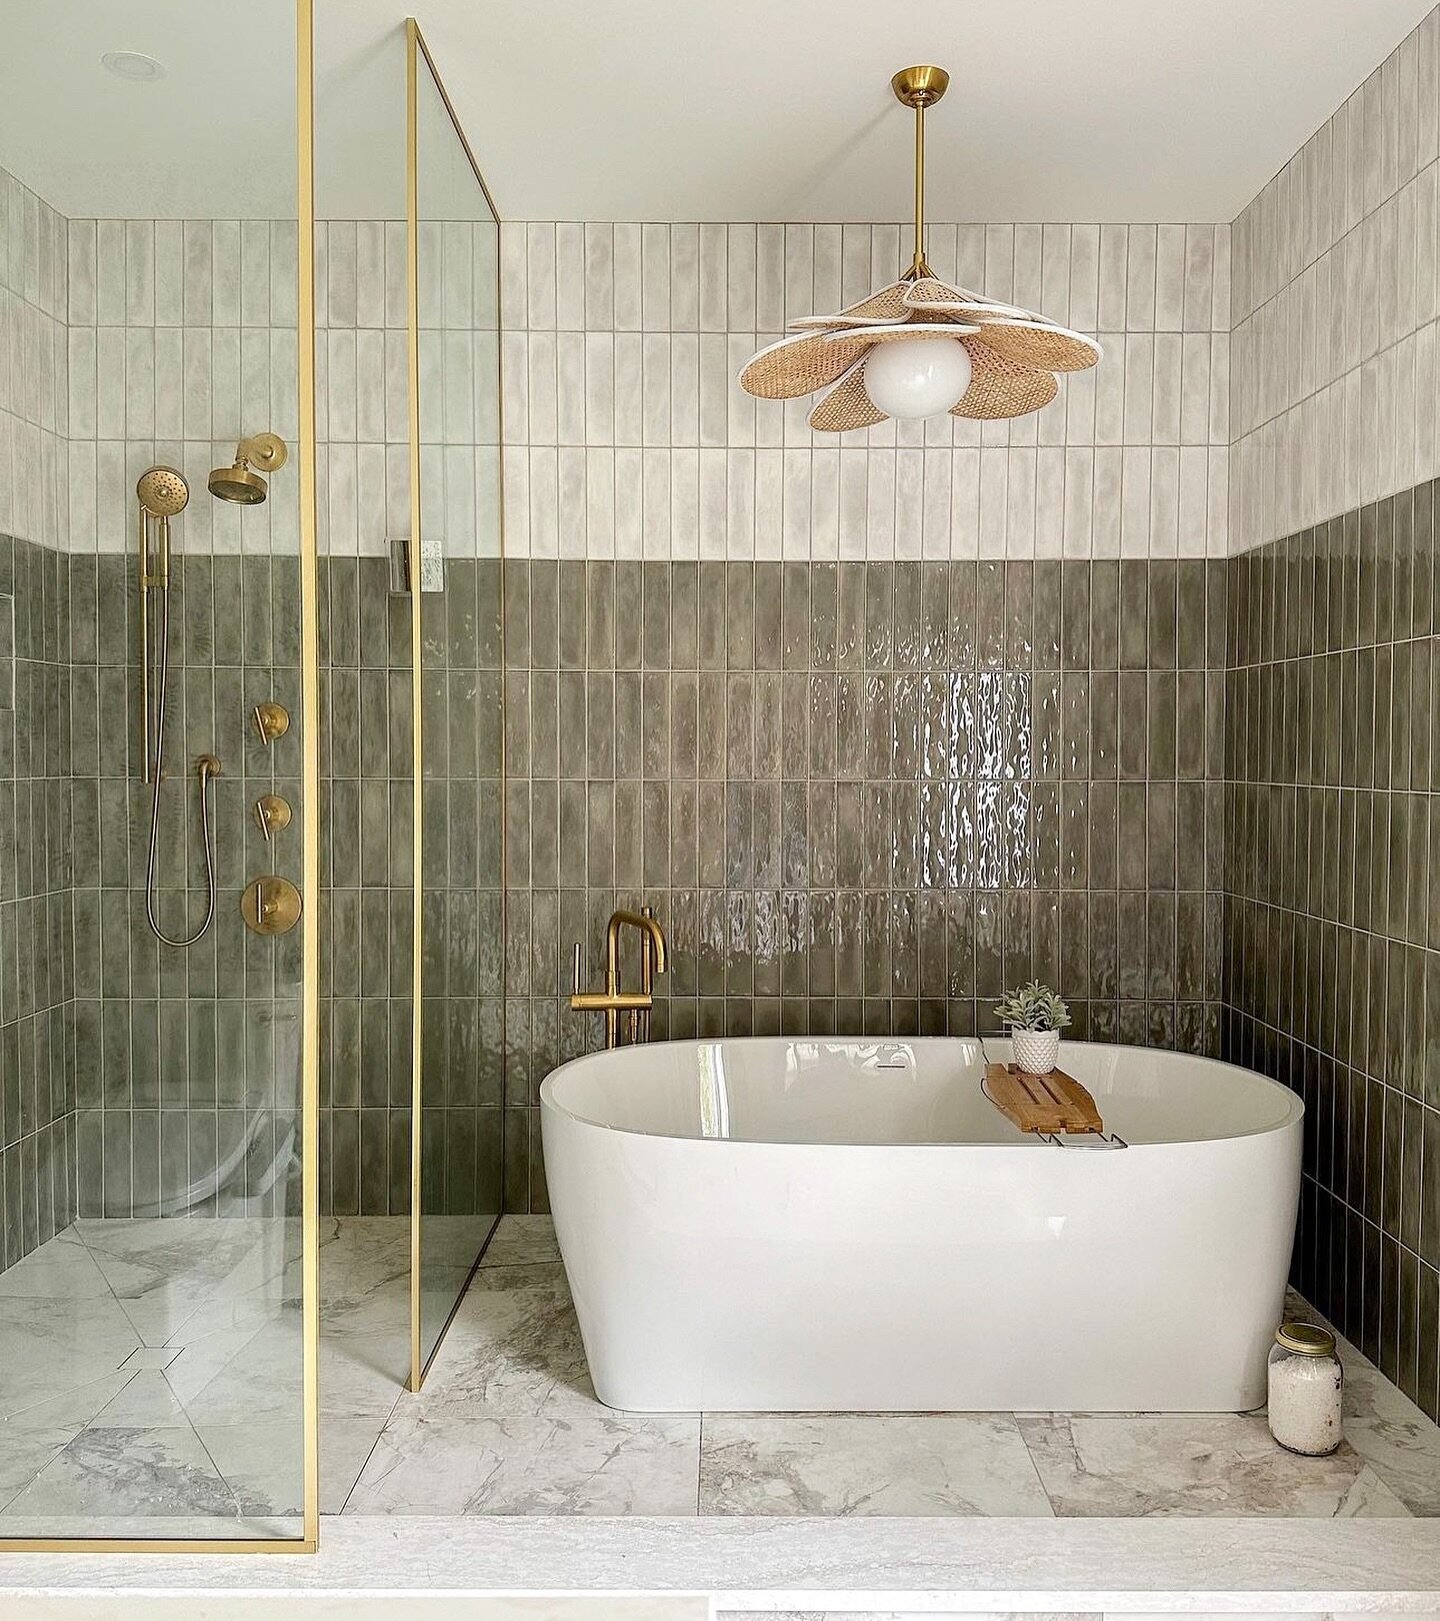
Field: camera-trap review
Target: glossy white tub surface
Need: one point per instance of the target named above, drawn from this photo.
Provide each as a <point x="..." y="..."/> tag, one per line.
<point x="778" y="1225"/>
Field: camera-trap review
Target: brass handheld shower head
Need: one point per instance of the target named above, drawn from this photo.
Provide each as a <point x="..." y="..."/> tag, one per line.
<point x="240" y="482"/>
<point x="162" y="492"/>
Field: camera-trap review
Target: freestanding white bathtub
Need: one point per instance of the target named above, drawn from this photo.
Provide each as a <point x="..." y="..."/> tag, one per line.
<point x="783" y="1225"/>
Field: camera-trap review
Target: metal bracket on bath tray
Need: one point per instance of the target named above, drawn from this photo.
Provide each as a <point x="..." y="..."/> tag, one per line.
<point x="1082" y="1139"/>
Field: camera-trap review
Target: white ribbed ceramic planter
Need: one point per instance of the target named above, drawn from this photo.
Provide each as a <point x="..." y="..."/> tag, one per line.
<point x="1036" y="1051"/>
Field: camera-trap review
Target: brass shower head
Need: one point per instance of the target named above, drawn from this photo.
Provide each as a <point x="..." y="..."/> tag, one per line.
<point x="162" y="491"/>
<point x="240" y="482"/>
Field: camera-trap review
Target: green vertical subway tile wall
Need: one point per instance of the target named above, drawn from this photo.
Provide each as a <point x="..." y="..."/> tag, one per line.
<point x="37" y="990"/>
<point x="367" y="856"/>
<point x="1332" y="936"/>
<point x="863" y="797"/>
<point x="187" y="1061"/>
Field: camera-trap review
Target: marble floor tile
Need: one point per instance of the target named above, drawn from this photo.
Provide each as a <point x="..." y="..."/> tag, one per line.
<point x="1119" y="1465"/>
<point x="867" y="1463"/>
<point x="63" y="1269"/>
<point x="512" y="1351"/>
<point x="456" y="1241"/>
<point x="603" y="1463"/>
<point x="261" y="1463"/>
<point x="1392" y="1435"/>
<point x="522" y="1241"/>
<point x="49" y="1346"/>
<point x="147" y="1400"/>
<point x="140" y="1471"/>
<point x="208" y="1346"/>
<point x="34" y="1437"/>
<point x="260" y="1379"/>
<point x="365" y="1272"/>
<point x="165" y="1273"/>
<point x="25" y="1454"/>
<point x="74" y="1408"/>
<point x="345" y="1448"/>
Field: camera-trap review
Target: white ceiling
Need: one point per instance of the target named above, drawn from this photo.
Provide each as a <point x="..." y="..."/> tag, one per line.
<point x="660" y="109"/>
<point x="215" y="137"/>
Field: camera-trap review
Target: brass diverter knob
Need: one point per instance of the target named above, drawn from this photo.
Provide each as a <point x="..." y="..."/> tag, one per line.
<point x="272" y="813"/>
<point x="272" y="720"/>
<point x="271" y="905"/>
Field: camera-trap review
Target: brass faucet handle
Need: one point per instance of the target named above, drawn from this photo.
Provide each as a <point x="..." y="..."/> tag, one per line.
<point x="609" y="1001"/>
<point x="272" y="814"/>
<point x="271" y="905"/>
<point x="272" y="720"/>
<point x="575" y="970"/>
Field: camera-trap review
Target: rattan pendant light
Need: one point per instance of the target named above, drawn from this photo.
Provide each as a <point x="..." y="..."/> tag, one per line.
<point x="953" y="350"/>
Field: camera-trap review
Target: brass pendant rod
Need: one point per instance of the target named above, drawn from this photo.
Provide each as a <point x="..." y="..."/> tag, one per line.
<point x="918" y="266"/>
<point x="919" y="88"/>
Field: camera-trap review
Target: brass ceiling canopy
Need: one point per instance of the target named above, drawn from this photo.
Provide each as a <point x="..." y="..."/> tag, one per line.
<point x="920" y="346"/>
<point x="920" y="87"/>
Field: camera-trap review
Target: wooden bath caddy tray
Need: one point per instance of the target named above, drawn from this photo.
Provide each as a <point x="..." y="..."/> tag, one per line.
<point x="1050" y="1103"/>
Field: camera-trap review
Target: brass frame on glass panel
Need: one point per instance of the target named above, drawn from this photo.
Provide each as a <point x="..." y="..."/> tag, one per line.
<point x="308" y="1540"/>
<point x="415" y="49"/>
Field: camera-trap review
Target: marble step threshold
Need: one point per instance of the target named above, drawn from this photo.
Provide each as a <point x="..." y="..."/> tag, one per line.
<point x="855" y="1567"/>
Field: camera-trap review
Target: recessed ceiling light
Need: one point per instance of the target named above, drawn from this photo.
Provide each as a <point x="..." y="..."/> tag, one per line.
<point x="133" y="65"/>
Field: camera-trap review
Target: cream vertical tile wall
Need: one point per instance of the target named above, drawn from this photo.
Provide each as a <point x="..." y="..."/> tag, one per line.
<point x="1335" y="309"/>
<point x="364" y="474"/>
<point x="34" y="402"/>
<point x="626" y="434"/>
<point x="181" y="339"/>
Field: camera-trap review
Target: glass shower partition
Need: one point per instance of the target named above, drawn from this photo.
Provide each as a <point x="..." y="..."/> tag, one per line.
<point x="455" y="562"/>
<point x="158" y="951"/>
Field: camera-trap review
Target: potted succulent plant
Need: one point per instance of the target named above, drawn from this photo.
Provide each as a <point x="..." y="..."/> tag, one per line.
<point x="1035" y="1016"/>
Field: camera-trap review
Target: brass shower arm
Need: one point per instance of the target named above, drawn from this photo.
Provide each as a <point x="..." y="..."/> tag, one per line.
<point x="263" y="450"/>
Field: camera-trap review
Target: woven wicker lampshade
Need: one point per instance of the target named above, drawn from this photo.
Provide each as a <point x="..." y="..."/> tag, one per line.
<point x="1014" y="353"/>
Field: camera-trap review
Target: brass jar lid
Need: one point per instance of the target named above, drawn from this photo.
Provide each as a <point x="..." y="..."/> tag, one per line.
<point x="1305" y="1339"/>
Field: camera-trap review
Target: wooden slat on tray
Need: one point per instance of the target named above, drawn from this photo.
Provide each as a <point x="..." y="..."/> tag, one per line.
<point x="1054" y="1102"/>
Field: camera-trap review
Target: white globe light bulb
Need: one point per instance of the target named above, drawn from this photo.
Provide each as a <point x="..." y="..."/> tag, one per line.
<point x="917" y="377"/>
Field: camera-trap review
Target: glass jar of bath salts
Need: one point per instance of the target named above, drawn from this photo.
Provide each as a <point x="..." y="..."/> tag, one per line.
<point x="1306" y="1387"/>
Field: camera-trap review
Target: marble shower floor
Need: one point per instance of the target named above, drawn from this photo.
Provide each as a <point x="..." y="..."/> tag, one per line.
<point x="148" y="1369"/>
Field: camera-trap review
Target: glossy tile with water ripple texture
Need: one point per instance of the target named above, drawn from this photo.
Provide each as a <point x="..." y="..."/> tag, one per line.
<point x="867" y="1463"/>
<point x="843" y="747"/>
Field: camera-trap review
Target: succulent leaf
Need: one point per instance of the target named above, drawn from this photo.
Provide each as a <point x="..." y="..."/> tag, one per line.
<point x="1032" y="1007"/>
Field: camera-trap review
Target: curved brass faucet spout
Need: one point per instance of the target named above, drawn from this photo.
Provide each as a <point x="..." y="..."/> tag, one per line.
<point x="646" y="922"/>
<point x="612" y="1001"/>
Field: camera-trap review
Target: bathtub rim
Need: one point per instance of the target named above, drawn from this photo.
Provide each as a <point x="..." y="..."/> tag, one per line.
<point x="1292" y="1120"/>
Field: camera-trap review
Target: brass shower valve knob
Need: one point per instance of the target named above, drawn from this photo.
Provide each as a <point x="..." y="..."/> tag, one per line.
<point x="272" y="720"/>
<point x="272" y="814"/>
<point x="271" y="905"/>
